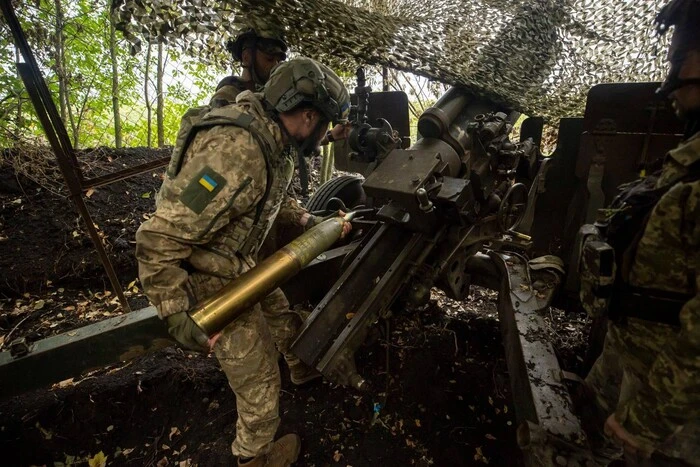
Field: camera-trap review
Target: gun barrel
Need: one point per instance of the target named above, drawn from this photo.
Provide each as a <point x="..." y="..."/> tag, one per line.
<point x="215" y="313"/>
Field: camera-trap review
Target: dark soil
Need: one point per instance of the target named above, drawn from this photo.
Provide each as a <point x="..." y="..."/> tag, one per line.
<point x="448" y="401"/>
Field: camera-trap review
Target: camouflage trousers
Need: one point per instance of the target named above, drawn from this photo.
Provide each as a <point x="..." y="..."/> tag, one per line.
<point x="616" y="377"/>
<point x="283" y="322"/>
<point x="249" y="360"/>
<point x="246" y="352"/>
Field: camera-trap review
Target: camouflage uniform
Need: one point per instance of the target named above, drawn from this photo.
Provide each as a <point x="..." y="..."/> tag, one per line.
<point x="284" y="323"/>
<point x="192" y="246"/>
<point x="649" y="373"/>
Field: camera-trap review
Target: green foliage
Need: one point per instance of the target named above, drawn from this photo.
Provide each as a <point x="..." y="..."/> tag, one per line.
<point x="87" y="72"/>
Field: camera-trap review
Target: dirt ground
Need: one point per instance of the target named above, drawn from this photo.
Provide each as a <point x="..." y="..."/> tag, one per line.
<point x="443" y="400"/>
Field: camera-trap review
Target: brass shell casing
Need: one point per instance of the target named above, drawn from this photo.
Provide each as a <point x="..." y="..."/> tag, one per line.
<point x="216" y="312"/>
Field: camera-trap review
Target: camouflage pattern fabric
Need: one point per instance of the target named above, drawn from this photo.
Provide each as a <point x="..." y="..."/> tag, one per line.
<point x="284" y="324"/>
<point x="249" y="360"/>
<point x="649" y="373"/>
<point x="537" y="56"/>
<point x="190" y="248"/>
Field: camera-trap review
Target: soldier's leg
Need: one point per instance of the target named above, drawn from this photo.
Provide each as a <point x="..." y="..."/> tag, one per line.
<point x="604" y="382"/>
<point x="284" y="325"/>
<point x="249" y="360"/>
<point x="681" y="449"/>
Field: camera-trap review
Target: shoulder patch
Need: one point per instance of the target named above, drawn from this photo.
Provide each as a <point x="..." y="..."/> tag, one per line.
<point x="202" y="189"/>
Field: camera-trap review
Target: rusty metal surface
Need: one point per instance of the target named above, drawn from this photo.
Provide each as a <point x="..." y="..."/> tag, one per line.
<point x="548" y="429"/>
<point x="72" y="353"/>
<point x="123" y="174"/>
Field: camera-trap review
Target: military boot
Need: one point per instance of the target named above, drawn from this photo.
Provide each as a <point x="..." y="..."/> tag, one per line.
<point x="284" y="452"/>
<point x="300" y="373"/>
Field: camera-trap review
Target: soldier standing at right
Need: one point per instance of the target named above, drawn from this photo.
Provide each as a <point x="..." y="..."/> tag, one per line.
<point x="647" y="380"/>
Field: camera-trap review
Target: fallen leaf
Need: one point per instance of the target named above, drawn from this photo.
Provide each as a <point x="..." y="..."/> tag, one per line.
<point x="89" y="192"/>
<point x="490" y="401"/>
<point x="505" y="409"/>
<point x="64" y="384"/>
<point x="417" y="423"/>
<point x="337" y="456"/>
<point x="410" y="444"/>
<point x="490" y="436"/>
<point x="165" y="447"/>
<point x="99" y="460"/>
<point x="39" y="304"/>
<point x="110" y="428"/>
<point x="174" y="431"/>
<point x="126" y="452"/>
<point x="185" y="463"/>
<point x="146" y="195"/>
<point x="163" y="462"/>
<point x="45" y="433"/>
<point x="349" y="316"/>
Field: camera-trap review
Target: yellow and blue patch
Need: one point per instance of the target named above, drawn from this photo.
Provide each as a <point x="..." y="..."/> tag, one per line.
<point x="207" y="182"/>
<point x="202" y="189"/>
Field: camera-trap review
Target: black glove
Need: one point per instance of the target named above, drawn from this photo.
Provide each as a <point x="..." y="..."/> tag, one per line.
<point x="187" y="333"/>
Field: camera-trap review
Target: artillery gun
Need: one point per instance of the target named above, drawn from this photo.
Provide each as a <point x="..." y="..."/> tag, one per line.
<point x="453" y="209"/>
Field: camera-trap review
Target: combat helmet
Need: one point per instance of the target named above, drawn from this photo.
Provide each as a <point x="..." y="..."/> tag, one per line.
<point x="266" y="38"/>
<point x="684" y="16"/>
<point x="306" y="81"/>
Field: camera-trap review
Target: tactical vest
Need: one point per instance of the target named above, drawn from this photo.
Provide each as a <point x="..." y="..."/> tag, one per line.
<point x="244" y="235"/>
<point x="623" y="230"/>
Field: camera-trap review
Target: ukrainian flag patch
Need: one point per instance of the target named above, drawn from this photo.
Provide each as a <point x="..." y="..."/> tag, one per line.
<point x="202" y="189"/>
<point x="207" y="182"/>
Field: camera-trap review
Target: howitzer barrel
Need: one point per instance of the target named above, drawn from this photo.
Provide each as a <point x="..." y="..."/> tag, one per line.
<point x="215" y="313"/>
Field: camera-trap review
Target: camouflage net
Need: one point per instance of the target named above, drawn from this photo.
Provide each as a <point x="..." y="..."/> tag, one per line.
<point x="538" y="56"/>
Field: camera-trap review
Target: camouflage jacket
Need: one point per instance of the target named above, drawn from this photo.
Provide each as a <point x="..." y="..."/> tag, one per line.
<point x="226" y="92"/>
<point x="205" y="211"/>
<point x="667" y="258"/>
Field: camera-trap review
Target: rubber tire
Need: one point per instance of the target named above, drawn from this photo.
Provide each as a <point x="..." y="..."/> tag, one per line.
<point x="348" y="188"/>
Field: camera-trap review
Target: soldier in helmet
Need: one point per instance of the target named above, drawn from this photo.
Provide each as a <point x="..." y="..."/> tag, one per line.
<point x="212" y="213"/>
<point x="641" y="266"/>
<point x="259" y="49"/>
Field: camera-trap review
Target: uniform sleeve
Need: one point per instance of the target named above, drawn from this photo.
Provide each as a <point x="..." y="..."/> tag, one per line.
<point x="290" y="212"/>
<point x="224" y="177"/>
<point x="670" y="397"/>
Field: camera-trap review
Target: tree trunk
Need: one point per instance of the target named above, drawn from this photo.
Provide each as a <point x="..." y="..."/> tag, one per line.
<point x="159" y="91"/>
<point x="149" y="106"/>
<point x="115" y="84"/>
<point x="60" y="71"/>
<point x="19" y="93"/>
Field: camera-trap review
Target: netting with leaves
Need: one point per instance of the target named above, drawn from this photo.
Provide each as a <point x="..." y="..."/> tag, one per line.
<point x="539" y="56"/>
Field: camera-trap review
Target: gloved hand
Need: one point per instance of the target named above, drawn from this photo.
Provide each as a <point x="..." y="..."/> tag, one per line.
<point x="187" y="333"/>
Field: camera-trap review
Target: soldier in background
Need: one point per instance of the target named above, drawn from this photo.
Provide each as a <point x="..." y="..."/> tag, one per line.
<point x="259" y="49"/>
<point x="640" y="264"/>
<point x="223" y="190"/>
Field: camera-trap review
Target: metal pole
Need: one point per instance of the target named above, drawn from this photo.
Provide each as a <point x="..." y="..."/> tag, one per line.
<point x="58" y="138"/>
